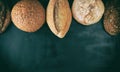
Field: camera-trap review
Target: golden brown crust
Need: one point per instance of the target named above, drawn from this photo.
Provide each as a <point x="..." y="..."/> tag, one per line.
<point x="59" y="17"/>
<point x="28" y="15"/>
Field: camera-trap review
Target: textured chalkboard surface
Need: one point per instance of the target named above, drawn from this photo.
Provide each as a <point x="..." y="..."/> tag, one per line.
<point x="83" y="49"/>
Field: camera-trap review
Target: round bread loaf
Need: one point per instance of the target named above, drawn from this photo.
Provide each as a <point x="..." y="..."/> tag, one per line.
<point x="28" y="15"/>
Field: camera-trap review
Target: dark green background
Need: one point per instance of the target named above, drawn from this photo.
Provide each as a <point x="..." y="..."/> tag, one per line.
<point x="83" y="49"/>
